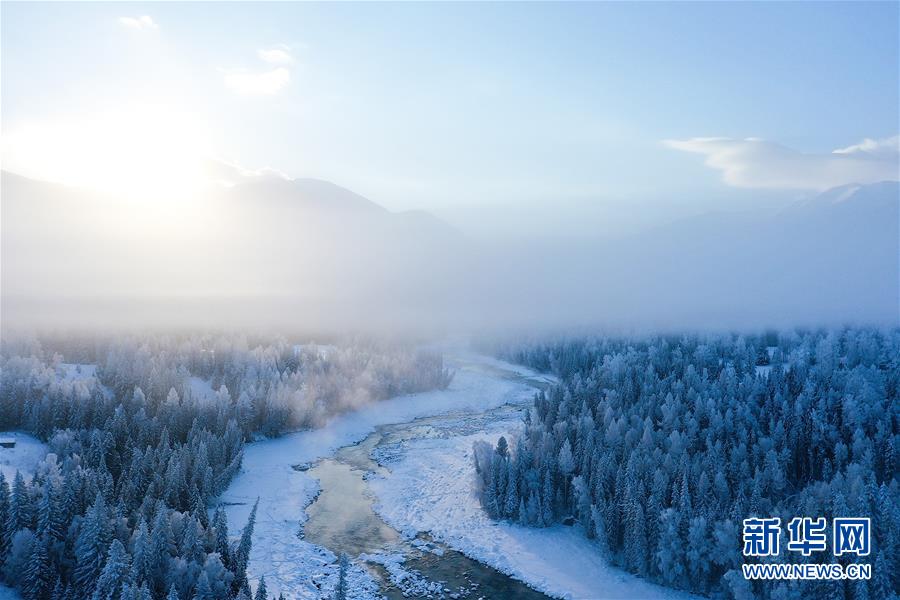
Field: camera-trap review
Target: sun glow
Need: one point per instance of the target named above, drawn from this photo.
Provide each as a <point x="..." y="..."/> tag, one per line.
<point x="145" y="152"/>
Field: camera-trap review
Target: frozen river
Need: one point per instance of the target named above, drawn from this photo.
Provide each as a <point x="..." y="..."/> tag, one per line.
<point x="392" y="486"/>
<point x="342" y="518"/>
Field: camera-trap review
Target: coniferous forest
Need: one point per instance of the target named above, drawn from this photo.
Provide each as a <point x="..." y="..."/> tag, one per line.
<point x="659" y="447"/>
<point x="124" y="505"/>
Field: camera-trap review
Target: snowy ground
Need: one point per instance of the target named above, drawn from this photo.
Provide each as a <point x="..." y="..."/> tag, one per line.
<point x="7" y="593"/>
<point x="300" y="569"/>
<point x="76" y="372"/>
<point x="200" y="389"/>
<point x="430" y="488"/>
<point x="29" y="451"/>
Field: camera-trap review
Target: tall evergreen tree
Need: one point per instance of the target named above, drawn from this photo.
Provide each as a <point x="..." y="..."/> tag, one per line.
<point x="4" y="517"/>
<point x="37" y="578"/>
<point x="242" y="554"/>
<point x="141" y="559"/>
<point x="21" y="513"/>
<point x="340" y="591"/>
<point x="91" y="546"/>
<point x="220" y="524"/>
<point x="116" y="572"/>
<point x="203" y="591"/>
<point x="261" y="592"/>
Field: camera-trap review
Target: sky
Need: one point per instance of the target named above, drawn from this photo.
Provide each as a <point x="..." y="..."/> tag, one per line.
<point x="617" y="163"/>
<point x="573" y="118"/>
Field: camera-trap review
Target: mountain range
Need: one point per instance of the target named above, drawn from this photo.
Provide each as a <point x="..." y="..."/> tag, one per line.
<point x="309" y="250"/>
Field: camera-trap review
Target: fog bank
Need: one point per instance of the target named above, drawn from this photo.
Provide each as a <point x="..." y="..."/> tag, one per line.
<point x="272" y="253"/>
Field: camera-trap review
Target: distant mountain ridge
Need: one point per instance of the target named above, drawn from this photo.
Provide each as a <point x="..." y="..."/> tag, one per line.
<point x="883" y="192"/>
<point x="331" y="255"/>
<point x="316" y="193"/>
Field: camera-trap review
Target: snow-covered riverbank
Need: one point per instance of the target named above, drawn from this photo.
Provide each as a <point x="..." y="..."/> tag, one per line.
<point x="431" y="487"/>
<point x="295" y="567"/>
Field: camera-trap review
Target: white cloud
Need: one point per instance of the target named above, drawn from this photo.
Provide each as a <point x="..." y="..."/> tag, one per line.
<point x="278" y="55"/>
<point x="265" y="83"/>
<point x="887" y="147"/>
<point x="143" y="22"/>
<point x="229" y="174"/>
<point x="756" y="163"/>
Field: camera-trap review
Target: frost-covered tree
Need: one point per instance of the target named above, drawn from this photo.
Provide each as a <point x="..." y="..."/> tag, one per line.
<point x="20" y="514"/>
<point x="261" y="593"/>
<point x="37" y="577"/>
<point x="91" y="546"/>
<point x="242" y="553"/>
<point x="203" y="591"/>
<point x="220" y="524"/>
<point x="340" y="590"/>
<point x="18" y="556"/>
<point x="116" y="572"/>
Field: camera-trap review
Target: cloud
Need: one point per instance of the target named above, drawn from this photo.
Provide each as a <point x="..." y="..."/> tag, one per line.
<point x="278" y="55"/>
<point x="230" y="174"/>
<point x="143" y="22"/>
<point x="888" y="147"/>
<point x="264" y="83"/>
<point x="757" y="163"/>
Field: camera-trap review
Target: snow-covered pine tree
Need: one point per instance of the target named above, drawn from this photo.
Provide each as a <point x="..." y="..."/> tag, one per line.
<point x="4" y="517"/>
<point x="261" y="592"/>
<point x="203" y="591"/>
<point x="511" y="500"/>
<point x="242" y="553"/>
<point x="116" y="572"/>
<point x="220" y="524"/>
<point x="140" y="564"/>
<point x="340" y="591"/>
<point x="21" y="510"/>
<point x="91" y="546"/>
<point x="161" y="549"/>
<point x="37" y="578"/>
